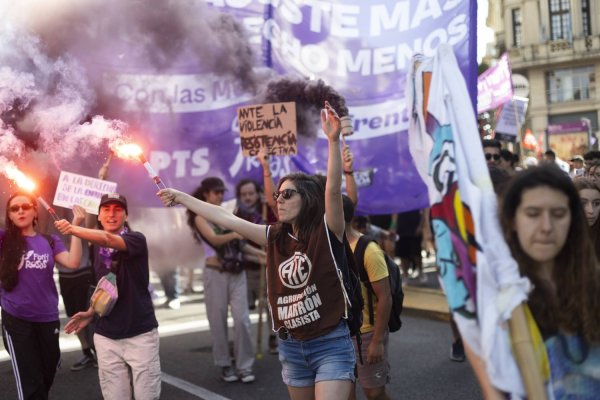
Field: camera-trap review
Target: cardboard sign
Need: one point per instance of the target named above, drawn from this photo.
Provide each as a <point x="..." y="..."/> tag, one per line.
<point x="81" y="190"/>
<point x="269" y="126"/>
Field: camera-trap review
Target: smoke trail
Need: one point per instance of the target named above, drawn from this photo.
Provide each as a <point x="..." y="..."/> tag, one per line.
<point x="49" y="83"/>
<point x="309" y="95"/>
<point x="43" y="101"/>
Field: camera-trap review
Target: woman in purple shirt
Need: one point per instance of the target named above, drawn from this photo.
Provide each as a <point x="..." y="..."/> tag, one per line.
<point x="28" y="296"/>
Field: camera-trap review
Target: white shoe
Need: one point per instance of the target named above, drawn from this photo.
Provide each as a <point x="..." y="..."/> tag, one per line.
<point x="174" y="304"/>
<point x="247" y="377"/>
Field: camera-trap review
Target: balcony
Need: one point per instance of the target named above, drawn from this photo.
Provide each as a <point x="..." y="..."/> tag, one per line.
<point x="556" y="51"/>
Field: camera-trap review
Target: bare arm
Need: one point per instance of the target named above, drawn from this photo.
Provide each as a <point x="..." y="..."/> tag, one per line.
<point x="95" y="236"/>
<point x="215" y="214"/>
<point x="214" y="239"/>
<point x="72" y="258"/>
<point x="334" y="211"/>
<point x="382" y="291"/>
<point x="254" y="254"/>
<point x="269" y="185"/>
<point x="348" y="162"/>
<point x="489" y="391"/>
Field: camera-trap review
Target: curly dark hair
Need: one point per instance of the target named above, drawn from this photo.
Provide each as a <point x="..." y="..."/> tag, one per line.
<point x="571" y="302"/>
<point x="312" y="193"/>
<point x="13" y="247"/>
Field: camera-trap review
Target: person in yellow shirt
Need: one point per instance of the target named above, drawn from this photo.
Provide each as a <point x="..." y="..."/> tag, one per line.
<point x="373" y="373"/>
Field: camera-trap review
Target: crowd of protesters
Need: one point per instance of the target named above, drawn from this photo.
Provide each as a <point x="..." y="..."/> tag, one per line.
<point x="549" y="210"/>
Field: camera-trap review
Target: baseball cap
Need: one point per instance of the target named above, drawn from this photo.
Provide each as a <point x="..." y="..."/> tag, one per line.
<point x="577" y="158"/>
<point x="212" y="183"/>
<point x="113" y="198"/>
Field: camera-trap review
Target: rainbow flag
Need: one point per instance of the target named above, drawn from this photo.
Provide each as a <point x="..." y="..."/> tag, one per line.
<point x="479" y="276"/>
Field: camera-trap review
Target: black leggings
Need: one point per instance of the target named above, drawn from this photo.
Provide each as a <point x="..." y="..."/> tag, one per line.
<point x="34" y="353"/>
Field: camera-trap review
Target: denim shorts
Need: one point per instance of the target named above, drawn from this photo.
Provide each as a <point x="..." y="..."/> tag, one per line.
<point x="325" y="358"/>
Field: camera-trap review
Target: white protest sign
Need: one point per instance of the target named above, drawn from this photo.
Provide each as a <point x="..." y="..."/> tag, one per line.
<point x="269" y="126"/>
<point x="81" y="190"/>
<point x="511" y="118"/>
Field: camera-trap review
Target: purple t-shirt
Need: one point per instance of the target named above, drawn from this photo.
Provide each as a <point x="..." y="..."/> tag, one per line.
<point x="34" y="298"/>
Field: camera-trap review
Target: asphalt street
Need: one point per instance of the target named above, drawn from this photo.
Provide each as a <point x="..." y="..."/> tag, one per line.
<point x="419" y="354"/>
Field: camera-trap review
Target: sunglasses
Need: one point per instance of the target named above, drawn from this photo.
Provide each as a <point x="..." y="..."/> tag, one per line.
<point x="285" y="193"/>
<point x="489" y="156"/>
<point x="17" y="207"/>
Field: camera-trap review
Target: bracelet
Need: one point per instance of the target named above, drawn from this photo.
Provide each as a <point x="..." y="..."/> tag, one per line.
<point x="348" y="172"/>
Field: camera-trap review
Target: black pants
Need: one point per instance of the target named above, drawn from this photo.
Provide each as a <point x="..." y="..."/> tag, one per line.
<point x="34" y="353"/>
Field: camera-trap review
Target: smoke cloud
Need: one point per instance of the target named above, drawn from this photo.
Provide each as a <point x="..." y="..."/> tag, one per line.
<point x="52" y="100"/>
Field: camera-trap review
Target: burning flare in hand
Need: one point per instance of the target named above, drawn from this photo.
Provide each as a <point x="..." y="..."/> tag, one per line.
<point x="22" y="181"/>
<point x="131" y="151"/>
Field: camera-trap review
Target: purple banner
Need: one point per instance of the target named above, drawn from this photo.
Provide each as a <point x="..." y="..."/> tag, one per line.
<point x="494" y="86"/>
<point x="185" y="115"/>
<point x="568" y="127"/>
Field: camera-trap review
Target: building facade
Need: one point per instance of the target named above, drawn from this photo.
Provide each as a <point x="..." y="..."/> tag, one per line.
<point x="555" y="44"/>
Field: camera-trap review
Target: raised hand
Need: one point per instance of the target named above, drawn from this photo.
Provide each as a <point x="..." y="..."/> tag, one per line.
<point x="330" y="122"/>
<point x="79" y="214"/>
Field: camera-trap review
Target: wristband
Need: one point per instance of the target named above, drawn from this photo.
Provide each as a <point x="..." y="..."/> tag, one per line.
<point x="348" y="172"/>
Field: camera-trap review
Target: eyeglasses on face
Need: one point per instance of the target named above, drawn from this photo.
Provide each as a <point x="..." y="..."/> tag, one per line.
<point x="489" y="156"/>
<point x="17" y="207"/>
<point x="285" y="193"/>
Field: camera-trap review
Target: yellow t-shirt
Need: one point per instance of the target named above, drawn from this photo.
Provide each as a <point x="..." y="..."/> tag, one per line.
<point x="376" y="270"/>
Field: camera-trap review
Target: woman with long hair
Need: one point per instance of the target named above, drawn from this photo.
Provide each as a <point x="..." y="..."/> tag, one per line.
<point x="28" y="295"/>
<point x="304" y="285"/>
<point x="589" y="192"/>
<point x="224" y="287"/>
<point x="547" y="231"/>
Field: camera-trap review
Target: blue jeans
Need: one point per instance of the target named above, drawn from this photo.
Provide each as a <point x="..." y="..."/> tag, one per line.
<point x="325" y="358"/>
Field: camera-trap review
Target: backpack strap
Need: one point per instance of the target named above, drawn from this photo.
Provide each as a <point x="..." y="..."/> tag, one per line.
<point x="359" y="257"/>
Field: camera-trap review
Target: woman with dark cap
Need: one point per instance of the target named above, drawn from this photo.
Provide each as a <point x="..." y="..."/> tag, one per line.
<point x="224" y="287"/>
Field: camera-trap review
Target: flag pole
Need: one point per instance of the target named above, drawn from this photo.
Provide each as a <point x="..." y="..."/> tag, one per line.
<point x="261" y="297"/>
<point x="523" y="350"/>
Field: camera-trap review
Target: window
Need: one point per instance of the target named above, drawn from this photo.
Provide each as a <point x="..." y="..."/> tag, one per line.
<point x="573" y="84"/>
<point x="517" y="29"/>
<point x="560" y="20"/>
<point x="585" y="17"/>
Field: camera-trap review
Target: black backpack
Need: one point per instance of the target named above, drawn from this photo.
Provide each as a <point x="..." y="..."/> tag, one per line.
<point x="395" y="279"/>
<point x="350" y="274"/>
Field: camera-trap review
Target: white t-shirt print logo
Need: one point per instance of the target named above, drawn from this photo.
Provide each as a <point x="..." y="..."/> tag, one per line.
<point x="294" y="271"/>
<point x="32" y="260"/>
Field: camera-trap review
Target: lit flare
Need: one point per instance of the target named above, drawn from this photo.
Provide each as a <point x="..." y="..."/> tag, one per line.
<point x="25" y="183"/>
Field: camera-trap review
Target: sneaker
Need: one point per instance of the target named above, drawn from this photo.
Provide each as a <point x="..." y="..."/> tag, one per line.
<point x="85" y="362"/>
<point x="174" y="304"/>
<point x="228" y="374"/>
<point x="247" y="377"/>
<point x="457" y="352"/>
<point x="273" y="346"/>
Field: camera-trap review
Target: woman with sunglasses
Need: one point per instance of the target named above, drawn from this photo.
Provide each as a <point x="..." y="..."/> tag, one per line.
<point x="28" y="296"/>
<point x="305" y="290"/>
<point x="224" y="287"/>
